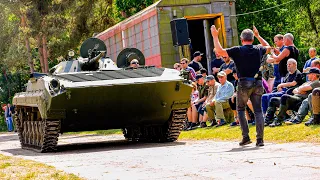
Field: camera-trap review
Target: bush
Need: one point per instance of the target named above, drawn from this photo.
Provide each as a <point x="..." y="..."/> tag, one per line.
<point x="3" y="125"/>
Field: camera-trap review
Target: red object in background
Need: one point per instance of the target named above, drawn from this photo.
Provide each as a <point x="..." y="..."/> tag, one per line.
<point x="4" y="106"/>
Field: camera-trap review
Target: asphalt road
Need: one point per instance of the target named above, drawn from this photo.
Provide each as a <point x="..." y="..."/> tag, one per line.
<point x="111" y="157"/>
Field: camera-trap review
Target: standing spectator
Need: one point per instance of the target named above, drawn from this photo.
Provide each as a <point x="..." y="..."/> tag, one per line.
<point x="177" y="66"/>
<point x="221" y="100"/>
<point x="8" y="117"/>
<point x="312" y="55"/>
<point x="184" y="66"/>
<point x="290" y="51"/>
<point x="307" y="65"/>
<point x="247" y="59"/>
<point x="227" y="67"/>
<point x="278" y="41"/>
<point x="216" y="64"/>
<point x="195" y="63"/>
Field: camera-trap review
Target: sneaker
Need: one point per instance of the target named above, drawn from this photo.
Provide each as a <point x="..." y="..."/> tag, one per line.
<point x="192" y="127"/>
<point x="309" y="122"/>
<point x="267" y="121"/>
<point x="275" y="123"/>
<point x="221" y="122"/>
<point x="213" y="123"/>
<point x="203" y="125"/>
<point x="245" y="141"/>
<point x="292" y="121"/>
<point x="259" y="142"/>
<point x="234" y="124"/>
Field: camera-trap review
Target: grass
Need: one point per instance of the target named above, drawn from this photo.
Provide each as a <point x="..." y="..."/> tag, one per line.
<point x="282" y="134"/>
<point x="12" y="168"/>
<point x="97" y="132"/>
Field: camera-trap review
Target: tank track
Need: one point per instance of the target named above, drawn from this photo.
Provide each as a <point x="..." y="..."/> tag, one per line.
<point x="36" y="134"/>
<point x="168" y="132"/>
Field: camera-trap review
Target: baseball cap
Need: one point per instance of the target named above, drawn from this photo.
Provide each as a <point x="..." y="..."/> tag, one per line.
<point x="210" y="77"/>
<point x="198" y="76"/>
<point x="197" y="53"/>
<point x="221" y="73"/>
<point x="313" y="70"/>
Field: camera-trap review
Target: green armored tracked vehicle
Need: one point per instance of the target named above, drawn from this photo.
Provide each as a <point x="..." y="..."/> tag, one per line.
<point x="92" y="93"/>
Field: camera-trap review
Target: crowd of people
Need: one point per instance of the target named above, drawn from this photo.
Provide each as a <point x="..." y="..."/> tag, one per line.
<point x="260" y="84"/>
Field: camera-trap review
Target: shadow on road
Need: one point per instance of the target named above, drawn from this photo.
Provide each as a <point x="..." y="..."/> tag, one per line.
<point x="8" y="137"/>
<point x="243" y="148"/>
<point x="102" y="146"/>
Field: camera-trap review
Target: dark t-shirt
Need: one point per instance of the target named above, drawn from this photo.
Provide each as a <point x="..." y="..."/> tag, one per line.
<point x="294" y="53"/>
<point x="225" y="66"/>
<point x="247" y="59"/>
<point x="216" y="63"/>
<point x="195" y="65"/>
<point x="296" y="76"/>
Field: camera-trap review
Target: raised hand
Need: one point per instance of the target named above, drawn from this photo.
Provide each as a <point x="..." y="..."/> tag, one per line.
<point x="255" y="31"/>
<point x="214" y="31"/>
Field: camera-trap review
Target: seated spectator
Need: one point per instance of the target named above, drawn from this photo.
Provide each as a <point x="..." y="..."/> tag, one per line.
<point x="177" y="66"/>
<point x="134" y="63"/>
<point x="212" y="90"/>
<point x="306" y="105"/>
<point x="184" y="66"/>
<point x="194" y="97"/>
<point x="197" y="106"/>
<point x="290" y="102"/>
<point x="221" y="100"/>
<point x="204" y="72"/>
<point x="292" y="79"/>
<point x="314" y="108"/>
<point x="227" y="67"/>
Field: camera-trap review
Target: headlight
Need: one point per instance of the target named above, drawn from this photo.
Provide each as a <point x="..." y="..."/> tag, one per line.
<point x="55" y="85"/>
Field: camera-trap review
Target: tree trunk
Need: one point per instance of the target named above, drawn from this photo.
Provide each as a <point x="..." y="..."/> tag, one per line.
<point x="311" y="19"/>
<point x="45" y="53"/>
<point x="40" y="50"/>
<point x="8" y="84"/>
<point x="30" y="61"/>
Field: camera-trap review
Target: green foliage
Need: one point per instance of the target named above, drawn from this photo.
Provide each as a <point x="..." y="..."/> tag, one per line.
<point x="3" y="125"/>
<point x="128" y="8"/>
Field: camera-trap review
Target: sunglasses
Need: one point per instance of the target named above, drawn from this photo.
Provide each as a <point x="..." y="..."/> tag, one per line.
<point x="134" y="63"/>
<point x="220" y="77"/>
<point x="182" y="63"/>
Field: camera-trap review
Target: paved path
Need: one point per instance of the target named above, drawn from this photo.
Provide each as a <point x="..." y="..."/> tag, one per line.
<point x="111" y="157"/>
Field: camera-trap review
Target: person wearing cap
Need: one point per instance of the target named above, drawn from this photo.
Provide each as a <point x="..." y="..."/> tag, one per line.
<point x="221" y="100"/>
<point x="134" y="63"/>
<point x="212" y="90"/>
<point x="195" y="63"/>
<point x="247" y="59"/>
<point x="290" y="102"/>
<point x="184" y="67"/>
<point x="197" y="106"/>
